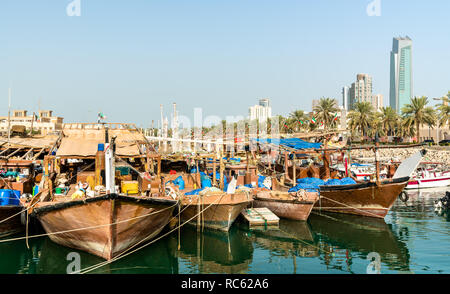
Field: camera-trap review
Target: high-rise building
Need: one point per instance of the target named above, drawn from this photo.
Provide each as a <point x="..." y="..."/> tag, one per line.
<point x="262" y="112"/>
<point x="377" y="101"/>
<point x="346" y="97"/>
<point x="401" y="83"/>
<point x="361" y="90"/>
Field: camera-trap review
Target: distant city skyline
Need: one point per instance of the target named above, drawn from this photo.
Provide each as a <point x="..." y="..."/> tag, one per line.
<point x="125" y="59"/>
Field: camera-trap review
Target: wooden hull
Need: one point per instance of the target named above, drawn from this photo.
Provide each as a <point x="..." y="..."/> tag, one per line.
<point x="110" y="214"/>
<point x="12" y="225"/>
<point x="364" y="199"/>
<point x="220" y="215"/>
<point x="285" y="206"/>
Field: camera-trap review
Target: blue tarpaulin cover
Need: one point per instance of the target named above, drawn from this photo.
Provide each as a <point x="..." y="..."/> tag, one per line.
<point x="313" y="184"/>
<point x="348" y="181"/>
<point x="307" y="187"/>
<point x="291" y="142"/>
<point x="311" y="181"/>
<point x="193" y="192"/>
<point x="333" y="182"/>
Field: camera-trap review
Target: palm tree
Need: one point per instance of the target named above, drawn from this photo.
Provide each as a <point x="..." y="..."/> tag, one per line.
<point x="389" y="120"/>
<point x="444" y="111"/>
<point x="406" y="127"/>
<point x="361" y="117"/>
<point x="325" y="111"/>
<point x="419" y="113"/>
<point x="297" y="119"/>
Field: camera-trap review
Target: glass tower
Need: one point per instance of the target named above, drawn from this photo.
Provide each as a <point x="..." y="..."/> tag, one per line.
<point x="401" y="88"/>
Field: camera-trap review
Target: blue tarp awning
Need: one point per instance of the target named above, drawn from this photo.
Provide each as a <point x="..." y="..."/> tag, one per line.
<point x="292" y="143"/>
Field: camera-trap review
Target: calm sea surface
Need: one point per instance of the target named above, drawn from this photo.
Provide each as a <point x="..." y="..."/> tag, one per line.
<point x="411" y="239"/>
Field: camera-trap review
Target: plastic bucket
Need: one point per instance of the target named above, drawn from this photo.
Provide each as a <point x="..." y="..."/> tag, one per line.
<point x="101" y="147"/>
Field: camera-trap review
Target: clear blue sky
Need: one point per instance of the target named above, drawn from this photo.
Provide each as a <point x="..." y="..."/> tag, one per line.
<point x="126" y="57"/>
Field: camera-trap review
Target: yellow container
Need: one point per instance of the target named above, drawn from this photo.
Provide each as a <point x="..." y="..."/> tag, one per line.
<point x="130" y="187"/>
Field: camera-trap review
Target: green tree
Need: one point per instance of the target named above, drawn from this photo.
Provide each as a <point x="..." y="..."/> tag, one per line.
<point x="418" y="113"/>
<point x="444" y="111"/>
<point x="297" y="120"/>
<point x="361" y="117"/>
<point x="325" y="112"/>
<point x="389" y="121"/>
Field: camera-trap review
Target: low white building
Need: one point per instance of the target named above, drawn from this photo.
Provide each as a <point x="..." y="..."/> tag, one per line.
<point x="44" y="122"/>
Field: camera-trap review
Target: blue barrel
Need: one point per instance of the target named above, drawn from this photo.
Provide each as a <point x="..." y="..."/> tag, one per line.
<point x="101" y="147"/>
<point x="9" y="197"/>
<point x="4" y="197"/>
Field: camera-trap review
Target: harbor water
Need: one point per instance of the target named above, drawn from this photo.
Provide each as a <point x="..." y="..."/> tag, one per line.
<point x="412" y="238"/>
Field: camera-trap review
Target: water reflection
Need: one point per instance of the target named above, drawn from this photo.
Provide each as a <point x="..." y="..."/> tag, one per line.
<point x="359" y="236"/>
<point x="292" y="238"/>
<point x="327" y="243"/>
<point x="214" y="251"/>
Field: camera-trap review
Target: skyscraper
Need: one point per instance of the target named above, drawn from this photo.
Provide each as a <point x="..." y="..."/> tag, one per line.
<point x="262" y="112"/>
<point x="345" y="97"/>
<point x="361" y="90"/>
<point x="401" y="84"/>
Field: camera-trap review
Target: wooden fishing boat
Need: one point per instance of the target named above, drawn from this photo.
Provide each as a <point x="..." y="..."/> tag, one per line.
<point x="294" y="206"/>
<point x="369" y="198"/>
<point x="365" y="199"/>
<point x="220" y="209"/>
<point x="105" y="225"/>
<point x="93" y="215"/>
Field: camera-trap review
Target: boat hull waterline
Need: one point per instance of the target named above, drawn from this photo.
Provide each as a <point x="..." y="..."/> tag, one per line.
<point x="220" y="210"/>
<point x="365" y="199"/>
<point x="118" y="222"/>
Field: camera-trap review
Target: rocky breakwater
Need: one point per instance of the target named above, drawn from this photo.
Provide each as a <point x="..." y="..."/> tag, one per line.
<point x="434" y="154"/>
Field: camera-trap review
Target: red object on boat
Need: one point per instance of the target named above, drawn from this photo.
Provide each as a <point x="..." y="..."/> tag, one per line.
<point x="172" y="172"/>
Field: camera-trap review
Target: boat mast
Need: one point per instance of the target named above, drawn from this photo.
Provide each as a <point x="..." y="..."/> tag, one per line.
<point x="109" y="164"/>
<point x="9" y="114"/>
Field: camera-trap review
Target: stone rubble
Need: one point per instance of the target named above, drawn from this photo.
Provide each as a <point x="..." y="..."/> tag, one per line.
<point x="434" y="154"/>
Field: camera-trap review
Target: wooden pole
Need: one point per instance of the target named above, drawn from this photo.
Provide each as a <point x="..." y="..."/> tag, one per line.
<point x="221" y="171"/>
<point x="286" y="166"/>
<point x="377" y="163"/>
<point x="198" y="178"/>
<point x="214" y="170"/>
<point x="294" y="170"/>
<point x="9" y="114"/>
<point x="32" y="121"/>
<point x="159" y="167"/>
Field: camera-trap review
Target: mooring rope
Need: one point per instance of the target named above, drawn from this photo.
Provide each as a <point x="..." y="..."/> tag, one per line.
<point x="88" y="228"/>
<point x="94" y="267"/>
<point x="375" y="215"/>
